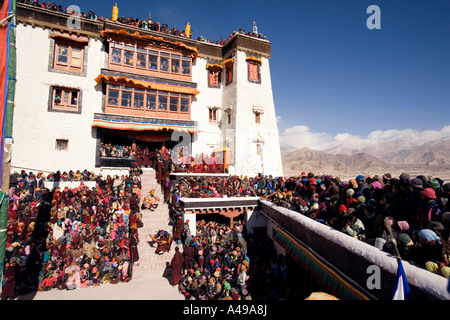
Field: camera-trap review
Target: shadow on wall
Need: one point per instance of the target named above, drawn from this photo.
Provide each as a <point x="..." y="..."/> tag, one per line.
<point x="255" y="220"/>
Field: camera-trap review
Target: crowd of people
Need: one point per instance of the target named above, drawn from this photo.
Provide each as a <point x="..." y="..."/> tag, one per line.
<point x="221" y="262"/>
<point x="78" y="237"/>
<point x="166" y="160"/>
<point x="213" y="264"/>
<point x="222" y="42"/>
<point x="201" y="163"/>
<point x="177" y="159"/>
<point x="116" y="151"/>
<point x="276" y="276"/>
<point x="146" y="24"/>
<point x="409" y="216"/>
<point x="173" y="160"/>
<point x="72" y="237"/>
<point x="219" y="187"/>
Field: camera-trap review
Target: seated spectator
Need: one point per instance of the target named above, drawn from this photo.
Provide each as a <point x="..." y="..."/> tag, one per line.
<point x="429" y="248"/>
<point x="354" y="227"/>
<point x="404" y="245"/>
<point x="441" y="266"/>
<point x="80" y="232"/>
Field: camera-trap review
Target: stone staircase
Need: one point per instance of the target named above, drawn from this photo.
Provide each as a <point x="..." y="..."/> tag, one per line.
<point x="150" y="264"/>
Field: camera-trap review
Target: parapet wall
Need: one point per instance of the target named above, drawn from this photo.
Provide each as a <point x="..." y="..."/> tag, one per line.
<point x="353" y="258"/>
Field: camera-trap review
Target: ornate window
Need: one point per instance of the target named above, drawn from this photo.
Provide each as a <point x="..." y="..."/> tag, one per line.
<point x="68" y="57"/>
<point x="229" y="63"/>
<point x="186" y="65"/>
<point x="213" y="115"/>
<point x="65" y="99"/>
<point x="254" y="69"/>
<point x="253" y="72"/>
<point x="213" y="79"/>
<point x="229" y="74"/>
<point x="148" y="61"/>
<point x="214" y="74"/>
<point x="145" y="102"/>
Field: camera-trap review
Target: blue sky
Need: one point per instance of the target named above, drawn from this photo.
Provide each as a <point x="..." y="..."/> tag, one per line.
<point x="330" y="73"/>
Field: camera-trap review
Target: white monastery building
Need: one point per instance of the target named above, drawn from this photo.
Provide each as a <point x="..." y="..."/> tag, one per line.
<point x="108" y="82"/>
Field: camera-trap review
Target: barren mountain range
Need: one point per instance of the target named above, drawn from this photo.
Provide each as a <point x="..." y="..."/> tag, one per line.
<point x="434" y="155"/>
<point x="429" y="160"/>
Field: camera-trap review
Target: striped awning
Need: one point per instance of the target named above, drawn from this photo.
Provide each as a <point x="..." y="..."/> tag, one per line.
<point x="324" y="272"/>
<point x="146" y="84"/>
<point x="132" y="125"/>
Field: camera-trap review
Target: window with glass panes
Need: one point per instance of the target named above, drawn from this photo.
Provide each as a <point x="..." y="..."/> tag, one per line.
<point x="184" y="103"/>
<point x="68" y="57"/>
<point x="213" y="115"/>
<point x="162" y="101"/>
<point x="146" y="99"/>
<point x="65" y="99"/>
<point x="186" y="66"/>
<point x="116" y="54"/>
<point x="153" y="60"/>
<point x="126" y="97"/>
<point x="176" y="59"/>
<point x="174" y="102"/>
<point x="141" y="58"/>
<point x="164" y="59"/>
<point x="128" y="56"/>
<point x="113" y="95"/>
<point x="147" y="60"/>
<point x="151" y="98"/>
<point x="138" y="98"/>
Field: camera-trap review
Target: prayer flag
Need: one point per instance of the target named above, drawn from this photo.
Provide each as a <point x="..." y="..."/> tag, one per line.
<point x="402" y="290"/>
<point x="448" y="285"/>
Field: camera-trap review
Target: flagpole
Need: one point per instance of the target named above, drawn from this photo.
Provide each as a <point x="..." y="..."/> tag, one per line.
<point x="402" y="291"/>
<point x="7" y="139"/>
<point x="387" y="223"/>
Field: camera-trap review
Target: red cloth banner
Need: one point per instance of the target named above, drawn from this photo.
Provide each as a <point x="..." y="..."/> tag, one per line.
<point x="3" y="60"/>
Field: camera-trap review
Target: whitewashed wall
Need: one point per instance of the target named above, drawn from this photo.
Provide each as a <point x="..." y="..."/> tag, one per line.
<point x="35" y="129"/>
<point x="251" y="94"/>
<point x="210" y="135"/>
<point x="240" y="135"/>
